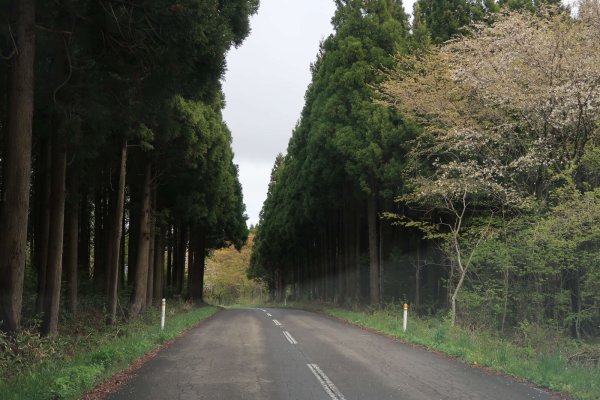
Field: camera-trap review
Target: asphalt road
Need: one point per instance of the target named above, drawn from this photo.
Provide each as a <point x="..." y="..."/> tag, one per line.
<point x="291" y="354"/>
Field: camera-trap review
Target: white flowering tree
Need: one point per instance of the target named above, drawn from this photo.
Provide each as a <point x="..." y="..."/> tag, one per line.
<point x="505" y="110"/>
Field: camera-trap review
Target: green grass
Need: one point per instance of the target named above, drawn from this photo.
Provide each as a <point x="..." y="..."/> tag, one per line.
<point x="550" y="368"/>
<point x="98" y="357"/>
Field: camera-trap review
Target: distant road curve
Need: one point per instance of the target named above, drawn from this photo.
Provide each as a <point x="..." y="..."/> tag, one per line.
<point x="292" y="354"/>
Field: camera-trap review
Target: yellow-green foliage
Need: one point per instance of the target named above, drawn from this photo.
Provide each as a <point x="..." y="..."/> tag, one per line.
<point x="226" y="281"/>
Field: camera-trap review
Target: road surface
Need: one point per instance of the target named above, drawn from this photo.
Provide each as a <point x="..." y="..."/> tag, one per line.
<point x="292" y="354"/>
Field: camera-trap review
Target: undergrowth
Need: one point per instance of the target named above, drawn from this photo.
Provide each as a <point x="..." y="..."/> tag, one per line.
<point x="544" y="358"/>
<point x="67" y="365"/>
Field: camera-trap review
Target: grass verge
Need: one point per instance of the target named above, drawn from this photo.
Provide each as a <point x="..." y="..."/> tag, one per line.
<point x="554" y="368"/>
<point x="98" y="357"/>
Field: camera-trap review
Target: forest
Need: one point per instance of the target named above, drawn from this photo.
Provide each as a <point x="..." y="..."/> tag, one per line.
<point x="451" y="162"/>
<point x="116" y="168"/>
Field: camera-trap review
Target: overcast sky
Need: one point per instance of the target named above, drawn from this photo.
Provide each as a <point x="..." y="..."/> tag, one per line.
<point x="265" y="84"/>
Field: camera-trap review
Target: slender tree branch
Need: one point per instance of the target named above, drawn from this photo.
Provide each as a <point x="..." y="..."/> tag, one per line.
<point x="53" y="30"/>
<point x="15" y="50"/>
<point x="8" y="57"/>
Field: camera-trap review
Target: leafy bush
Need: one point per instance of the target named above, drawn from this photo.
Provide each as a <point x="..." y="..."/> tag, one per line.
<point x="72" y="380"/>
<point x="105" y="357"/>
<point x="25" y="349"/>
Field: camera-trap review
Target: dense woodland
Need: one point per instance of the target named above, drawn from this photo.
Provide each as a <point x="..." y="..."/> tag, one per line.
<point x="116" y="168"/>
<point x="452" y="163"/>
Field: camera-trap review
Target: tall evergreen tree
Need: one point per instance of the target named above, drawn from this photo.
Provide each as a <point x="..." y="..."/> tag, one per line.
<point x="16" y="164"/>
<point x="445" y="18"/>
<point x="338" y="157"/>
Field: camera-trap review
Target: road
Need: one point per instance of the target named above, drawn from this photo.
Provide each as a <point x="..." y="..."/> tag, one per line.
<point x="292" y="354"/>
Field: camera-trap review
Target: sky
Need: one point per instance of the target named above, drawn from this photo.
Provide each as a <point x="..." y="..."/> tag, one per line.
<point x="265" y="83"/>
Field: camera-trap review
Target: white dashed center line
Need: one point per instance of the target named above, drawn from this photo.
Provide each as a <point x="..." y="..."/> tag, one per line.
<point x="329" y="387"/>
<point x="289" y="337"/>
<point x="332" y="390"/>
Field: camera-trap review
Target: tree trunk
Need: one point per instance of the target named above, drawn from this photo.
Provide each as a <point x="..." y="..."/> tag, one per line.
<point x="418" y="278"/>
<point x="152" y="229"/>
<point x="323" y="262"/>
<point x="350" y="233"/>
<point x="110" y="231"/>
<point x="176" y="256"/>
<point x="278" y="291"/>
<point x="72" y="237"/>
<point x="190" y="265"/>
<point x="505" y="305"/>
<point x="85" y="235"/>
<point x="170" y="241"/>
<point x="138" y="301"/>
<point x="575" y="290"/>
<point x="42" y="233"/>
<point x="461" y="279"/>
<point x="373" y="250"/>
<point x="55" y="244"/>
<point x="180" y="270"/>
<point x="113" y="270"/>
<point x="159" y="264"/>
<point x="357" y="278"/>
<point x="122" y="271"/>
<point x="134" y="221"/>
<point x="151" y="272"/>
<point x="100" y="227"/>
<point x="182" y="240"/>
<point x="16" y="166"/>
<point x="381" y="266"/>
<point x="196" y="269"/>
<point x="340" y="248"/>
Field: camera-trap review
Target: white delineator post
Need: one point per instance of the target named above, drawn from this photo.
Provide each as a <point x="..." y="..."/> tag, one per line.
<point x="163" y="307"/>
<point x="405" y="317"/>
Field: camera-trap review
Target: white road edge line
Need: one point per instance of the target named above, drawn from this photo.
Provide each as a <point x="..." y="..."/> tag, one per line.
<point x="289" y="337"/>
<point x="277" y="322"/>
<point x="329" y="387"/>
<point x="263" y="310"/>
<point x="269" y="315"/>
